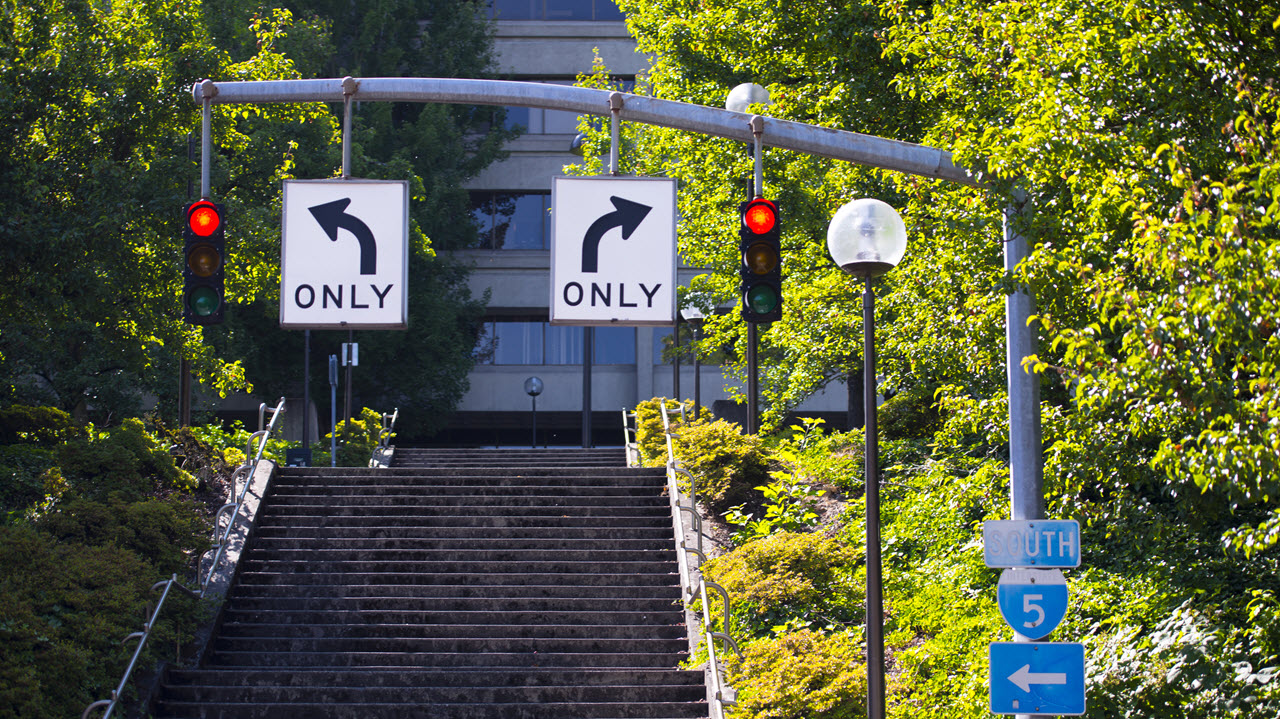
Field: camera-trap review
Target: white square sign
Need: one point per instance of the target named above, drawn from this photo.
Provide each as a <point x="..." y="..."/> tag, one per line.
<point x="344" y="254"/>
<point x="613" y="251"/>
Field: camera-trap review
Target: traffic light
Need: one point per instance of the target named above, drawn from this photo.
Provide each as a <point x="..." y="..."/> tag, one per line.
<point x="761" y="270"/>
<point x="204" y="261"/>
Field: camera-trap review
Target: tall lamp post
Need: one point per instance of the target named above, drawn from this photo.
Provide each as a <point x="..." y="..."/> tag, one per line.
<point x="867" y="238"/>
<point x="693" y="316"/>
<point x="533" y="388"/>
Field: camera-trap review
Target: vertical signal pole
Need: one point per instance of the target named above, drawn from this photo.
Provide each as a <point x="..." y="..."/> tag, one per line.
<point x="753" y="334"/>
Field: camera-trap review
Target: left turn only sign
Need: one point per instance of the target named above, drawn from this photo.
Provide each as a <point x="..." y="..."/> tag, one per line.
<point x="344" y="254"/>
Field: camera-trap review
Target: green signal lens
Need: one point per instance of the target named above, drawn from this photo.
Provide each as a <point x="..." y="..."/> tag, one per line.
<point x="204" y="301"/>
<point x="762" y="299"/>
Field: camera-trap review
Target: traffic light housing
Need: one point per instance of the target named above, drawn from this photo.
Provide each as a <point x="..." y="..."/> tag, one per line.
<point x="760" y="244"/>
<point x="203" y="263"/>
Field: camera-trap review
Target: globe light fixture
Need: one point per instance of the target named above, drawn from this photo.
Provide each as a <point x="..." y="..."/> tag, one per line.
<point x="745" y="95"/>
<point x="866" y="238"/>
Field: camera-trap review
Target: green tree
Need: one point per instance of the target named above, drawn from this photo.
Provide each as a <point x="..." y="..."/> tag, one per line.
<point x="437" y="148"/>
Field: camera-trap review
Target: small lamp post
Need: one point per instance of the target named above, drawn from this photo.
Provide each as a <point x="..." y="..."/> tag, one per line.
<point x="694" y="317"/>
<point x="533" y="388"/>
<point x="867" y="238"/>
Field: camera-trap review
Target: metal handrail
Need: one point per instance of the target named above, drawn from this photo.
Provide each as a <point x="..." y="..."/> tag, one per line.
<point x="388" y="428"/>
<point x="629" y="442"/>
<point x="723" y="694"/>
<point x="245" y="470"/>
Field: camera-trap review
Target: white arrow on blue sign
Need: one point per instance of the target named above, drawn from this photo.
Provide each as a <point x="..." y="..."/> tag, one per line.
<point x="1031" y="543"/>
<point x="1032" y="601"/>
<point x="1037" y="678"/>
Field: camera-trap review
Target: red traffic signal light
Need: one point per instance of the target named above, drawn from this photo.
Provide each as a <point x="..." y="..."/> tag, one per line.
<point x="760" y="243"/>
<point x="204" y="261"/>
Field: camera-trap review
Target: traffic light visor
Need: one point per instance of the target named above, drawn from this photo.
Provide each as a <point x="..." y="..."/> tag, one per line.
<point x="203" y="219"/>
<point x="760" y="217"/>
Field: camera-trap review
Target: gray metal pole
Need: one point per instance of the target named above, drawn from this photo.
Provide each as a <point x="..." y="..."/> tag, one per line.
<point x="786" y="134"/>
<point x="1026" y="470"/>
<point x="588" y="352"/>
<point x="206" y="144"/>
<point x="697" y="371"/>
<point x="346" y="405"/>
<point x="675" y="360"/>
<point x="1025" y="460"/>
<point x="875" y="599"/>
<point x="753" y="380"/>
<point x="333" y="410"/>
<point x="306" y="389"/>
<point x="534" y="444"/>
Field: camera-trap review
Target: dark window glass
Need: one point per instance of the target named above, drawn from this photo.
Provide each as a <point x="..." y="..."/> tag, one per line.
<point x="517" y="343"/>
<point x="607" y="10"/>
<point x="568" y="10"/>
<point x="511" y="220"/>
<point x="517" y="9"/>
<point x="564" y="345"/>
<point x="615" y="345"/>
<point x="518" y="117"/>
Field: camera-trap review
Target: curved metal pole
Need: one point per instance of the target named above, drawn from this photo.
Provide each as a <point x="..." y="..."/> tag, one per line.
<point x="869" y="150"/>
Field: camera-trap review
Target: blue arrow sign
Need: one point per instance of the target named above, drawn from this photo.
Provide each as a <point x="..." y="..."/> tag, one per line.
<point x="1032" y="601"/>
<point x="1041" y="543"/>
<point x="1031" y="678"/>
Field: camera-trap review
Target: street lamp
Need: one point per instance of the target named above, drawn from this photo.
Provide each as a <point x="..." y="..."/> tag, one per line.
<point x="694" y="317"/>
<point x="867" y="238"/>
<point x="745" y="95"/>
<point x="533" y="388"/>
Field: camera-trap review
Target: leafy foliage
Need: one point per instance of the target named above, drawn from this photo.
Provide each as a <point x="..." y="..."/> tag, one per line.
<point x="802" y="674"/>
<point x="788" y="579"/>
<point x="109" y="514"/>
<point x="724" y="462"/>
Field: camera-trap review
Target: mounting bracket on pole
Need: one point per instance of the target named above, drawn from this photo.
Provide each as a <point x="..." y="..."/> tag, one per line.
<point x="349" y="88"/>
<point x="615" y="109"/>
<point x="757" y="132"/>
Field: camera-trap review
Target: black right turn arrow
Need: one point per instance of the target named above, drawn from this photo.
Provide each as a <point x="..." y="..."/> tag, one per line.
<point x="332" y="216"/>
<point x="628" y="216"/>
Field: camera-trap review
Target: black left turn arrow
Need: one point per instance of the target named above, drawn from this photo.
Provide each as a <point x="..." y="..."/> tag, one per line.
<point x="333" y="216"/>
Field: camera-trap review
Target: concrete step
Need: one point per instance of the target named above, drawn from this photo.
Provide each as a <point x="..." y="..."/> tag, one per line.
<point x="666" y="593"/>
<point x="325" y="710"/>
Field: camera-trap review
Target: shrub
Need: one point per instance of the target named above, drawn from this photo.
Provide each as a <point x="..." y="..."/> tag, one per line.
<point x="801" y="675"/>
<point x="164" y="532"/>
<point x="789" y="579"/>
<point x="23" y="470"/>
<point x="357" y="438"/>
<point x="910" y="414"/>
<point x="726" y="463"/>
<point x="649" y="431"/>
<point x="126" y="460"/>
<point x="64" y="608"/>
<point x="37" y="425"/>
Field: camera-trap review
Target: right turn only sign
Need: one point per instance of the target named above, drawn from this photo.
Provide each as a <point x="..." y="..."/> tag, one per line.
<point x="613" y="251"/>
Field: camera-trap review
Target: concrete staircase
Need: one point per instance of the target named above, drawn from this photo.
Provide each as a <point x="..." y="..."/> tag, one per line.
<point x="503" y="583"/>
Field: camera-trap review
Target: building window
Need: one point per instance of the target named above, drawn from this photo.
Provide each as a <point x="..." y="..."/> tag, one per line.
<point x="540" y="343"/>
<point x="512" y="220"/>
<point x="554" y="10"/>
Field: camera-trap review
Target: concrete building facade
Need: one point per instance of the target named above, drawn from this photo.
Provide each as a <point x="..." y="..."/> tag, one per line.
<point x="555" y="41"/>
